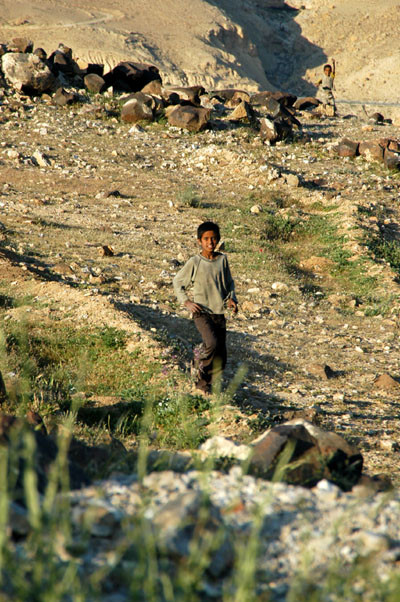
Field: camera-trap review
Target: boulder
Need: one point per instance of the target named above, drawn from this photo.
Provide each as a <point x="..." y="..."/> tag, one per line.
<point x="190" y="94"/>
<point x="62" y="97"/>
<point x="372" y="150"/>
<point x="285" y="99"/>
<point x="299" y="453"/>
<point x="135" y="110"/>
<point x="376" y="118"/>
<point x="24" y="45"/>
<point x="307" y="102"/>
<point x="391" y="159"/>
<point x="151" y="101"/>
<point x="229" y="94"/>
<point x="243" y="112"/>
<point x="131" y="77"/>
<point x="190" y="118"/>
<point x="262" y="99"/>
<point x="153" y="88"/>
<point x="61" y="61"/>
<point x="348" y="148"/>
<point x="27" y="73"/>
<point x="41" y="53"/>
<point x="321" y="371"/>
<point x="237" y="98"/>
<point x="273" y="130"/>
<point x="94" y="83"/>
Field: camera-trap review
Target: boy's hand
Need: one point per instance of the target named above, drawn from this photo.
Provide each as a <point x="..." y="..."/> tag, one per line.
<point x="232" y="305"/>
<point x="194" y="308"/>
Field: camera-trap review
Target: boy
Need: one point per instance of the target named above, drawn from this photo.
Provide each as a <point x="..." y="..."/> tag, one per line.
<point x="213" y="288"/>
<point x="325" y="86"/>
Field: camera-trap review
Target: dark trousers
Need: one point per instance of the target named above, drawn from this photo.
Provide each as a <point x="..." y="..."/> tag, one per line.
<point x="212" y="357"/>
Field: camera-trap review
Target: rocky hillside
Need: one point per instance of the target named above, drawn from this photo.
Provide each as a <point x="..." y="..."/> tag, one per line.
<point x="256" y="44"/>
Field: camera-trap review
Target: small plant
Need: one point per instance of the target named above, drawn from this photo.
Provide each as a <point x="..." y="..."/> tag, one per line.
<point x="189" y="197"/>
<point x="279" y="228"/>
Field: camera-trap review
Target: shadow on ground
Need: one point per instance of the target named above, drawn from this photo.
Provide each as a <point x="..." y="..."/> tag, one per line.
<point x="173" y="330"/>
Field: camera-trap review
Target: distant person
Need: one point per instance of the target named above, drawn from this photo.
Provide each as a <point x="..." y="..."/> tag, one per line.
<point x="326" y="86"/>
<point x="213" y="290"/>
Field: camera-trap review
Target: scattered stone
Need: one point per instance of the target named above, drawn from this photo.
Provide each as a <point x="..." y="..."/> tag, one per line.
<point x="224" y="448"/>
<point x="279" y="287"/>
<point x="322" y="371"/>
<point x="386" y="383"/>
<point x="292" y="180"/>
<point x="376" y="118"/>
<point x="41" y="159"/>
<point x="256" y="209"/>
<point x="94" y="83"/>
<point x="27" y="73"/>
<point x="107" y="251"/>
<point x="190" y="118"/>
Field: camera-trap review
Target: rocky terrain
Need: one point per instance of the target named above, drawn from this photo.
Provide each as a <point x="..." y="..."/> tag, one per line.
<point x="256" y="44"/>
<point x="97" y="214"/>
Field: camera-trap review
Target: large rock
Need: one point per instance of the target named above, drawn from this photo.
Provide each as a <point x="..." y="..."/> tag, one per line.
<point x="62" y="97"/>
<point x="391" y="159"/>
<point x="135" y="110"/>
<point x="190" y="118"/>
<point x="20" y="45"/>
<point x="243" y="112"/>
<point x="230" y="94"/>
<point x="348" y="148"/>
<point x="263" y="98"/>
<point x="372" y="150"/>
<point x="307" y="102"/>
<point x="273" y="130"/>
<point x="27" y="73"/>
<point x="94" y="83"/>
<point x="300" y="453"/>
<point x="190" y="94"/>
<point x="131" y="77"/>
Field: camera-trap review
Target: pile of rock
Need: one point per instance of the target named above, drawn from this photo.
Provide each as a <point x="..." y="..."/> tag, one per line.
<point x="34" y="73"/>
<point x="215" y="511"/>
<point x="383" y="150"/>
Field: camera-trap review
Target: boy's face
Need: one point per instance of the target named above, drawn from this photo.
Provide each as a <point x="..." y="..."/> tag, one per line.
<point x="208" y="243"/>
<point x="327" y="71"/>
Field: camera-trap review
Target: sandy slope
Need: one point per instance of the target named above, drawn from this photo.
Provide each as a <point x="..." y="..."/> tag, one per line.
<point x="255" y="44"/>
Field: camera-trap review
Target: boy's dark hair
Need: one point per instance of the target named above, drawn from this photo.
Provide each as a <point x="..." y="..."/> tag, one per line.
<point x="329" y="66"/>
<point x="205" y="227"/>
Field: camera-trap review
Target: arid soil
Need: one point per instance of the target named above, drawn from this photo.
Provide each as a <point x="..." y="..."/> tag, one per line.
<point x="253" y="44"/>
<point x="136" y="190"/>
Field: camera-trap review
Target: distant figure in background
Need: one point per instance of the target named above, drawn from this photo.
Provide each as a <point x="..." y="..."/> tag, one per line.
<point x="326" y="85"/>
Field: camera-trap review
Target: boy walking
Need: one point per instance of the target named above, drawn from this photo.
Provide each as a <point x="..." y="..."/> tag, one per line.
<point x="213" y="289"/>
